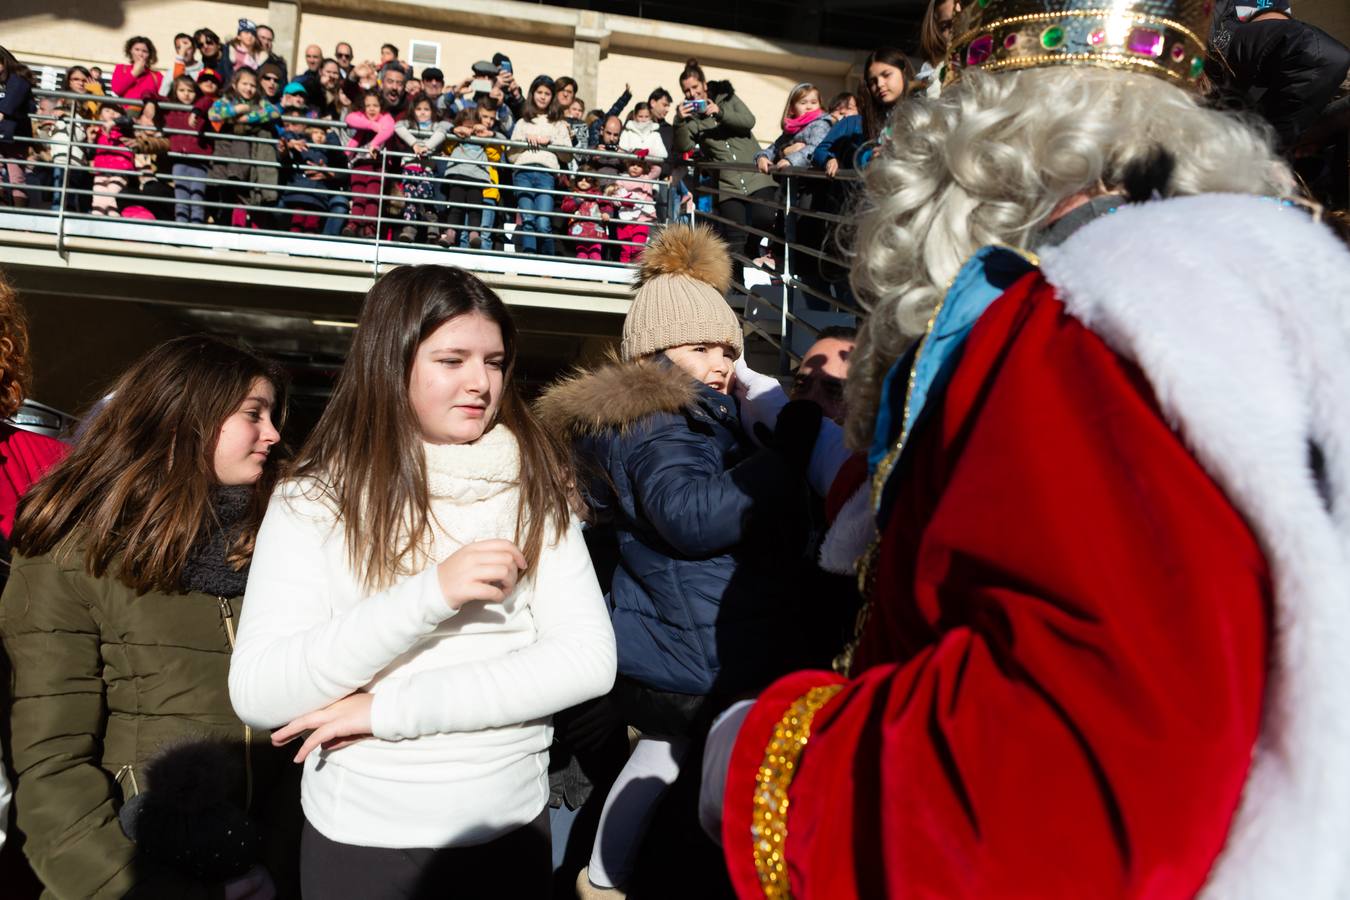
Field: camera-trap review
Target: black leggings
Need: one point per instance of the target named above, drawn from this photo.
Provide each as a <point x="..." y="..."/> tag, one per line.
<point x="459" y="216"/>
<point x="517" y="864"/>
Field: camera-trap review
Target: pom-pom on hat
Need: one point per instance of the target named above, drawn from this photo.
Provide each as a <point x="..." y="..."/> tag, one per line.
<point x="683" y="276"/>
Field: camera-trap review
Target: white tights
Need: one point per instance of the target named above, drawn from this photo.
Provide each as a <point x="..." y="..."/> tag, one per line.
<point x="649" y="772"/>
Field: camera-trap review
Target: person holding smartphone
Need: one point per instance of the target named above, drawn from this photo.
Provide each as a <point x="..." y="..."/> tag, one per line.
<point x="713" y="120"/>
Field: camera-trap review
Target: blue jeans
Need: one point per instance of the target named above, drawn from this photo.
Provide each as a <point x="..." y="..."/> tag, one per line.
<point x="58" y="180"/>
<point x="488" y="217"/>
<point x="187" y="189"/>
<point x="527" y="180"/>
<point x="332" y="225"/>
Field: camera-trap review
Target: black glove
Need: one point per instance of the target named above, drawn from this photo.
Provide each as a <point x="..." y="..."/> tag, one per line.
<point x="794" y="434"/>
<point x="190" y="818"/>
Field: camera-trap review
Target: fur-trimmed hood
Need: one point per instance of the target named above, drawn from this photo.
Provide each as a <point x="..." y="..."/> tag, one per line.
<point x="614" y="396"/>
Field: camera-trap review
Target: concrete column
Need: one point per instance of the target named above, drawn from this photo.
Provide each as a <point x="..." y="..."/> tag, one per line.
<point x="590" y="43"/>
<point x="284" y="18"/>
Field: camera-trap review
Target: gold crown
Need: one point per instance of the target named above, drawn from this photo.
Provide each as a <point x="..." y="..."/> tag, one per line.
<point x="1159" y="37"/>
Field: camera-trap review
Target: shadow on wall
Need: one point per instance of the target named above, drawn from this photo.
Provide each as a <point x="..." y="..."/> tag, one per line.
<point x="108" y="13"/>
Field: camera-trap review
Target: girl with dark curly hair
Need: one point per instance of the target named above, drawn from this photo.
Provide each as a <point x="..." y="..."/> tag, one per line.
<point x="137" y="78"/>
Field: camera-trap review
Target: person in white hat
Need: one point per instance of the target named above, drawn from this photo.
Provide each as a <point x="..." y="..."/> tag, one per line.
<point x="707" y="529"/>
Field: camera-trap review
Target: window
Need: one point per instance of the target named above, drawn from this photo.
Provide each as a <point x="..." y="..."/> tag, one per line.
<point x="423" y="54"/>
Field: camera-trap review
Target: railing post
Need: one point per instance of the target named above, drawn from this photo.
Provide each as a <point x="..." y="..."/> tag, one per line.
<point x="379" y="213"/>
<point x="65" y="186"/>
<point x="784" y="364"/>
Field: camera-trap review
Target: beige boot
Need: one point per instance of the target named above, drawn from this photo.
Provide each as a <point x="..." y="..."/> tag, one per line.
<point x="588" y="891"/>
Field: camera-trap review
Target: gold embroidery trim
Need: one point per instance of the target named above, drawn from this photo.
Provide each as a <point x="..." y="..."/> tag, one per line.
<point x="768" y="822"/>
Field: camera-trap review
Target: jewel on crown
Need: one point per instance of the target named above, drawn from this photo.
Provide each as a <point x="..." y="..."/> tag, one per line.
<point x="1158" y="37"/>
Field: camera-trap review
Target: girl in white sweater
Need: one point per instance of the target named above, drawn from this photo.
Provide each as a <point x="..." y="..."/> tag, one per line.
<point x="422" y="601"/>
<point x="541" y="126"/>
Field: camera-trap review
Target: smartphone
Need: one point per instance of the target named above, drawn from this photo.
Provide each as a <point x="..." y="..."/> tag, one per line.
<point x="481" y="85"/>
<point x="506" y="66"/>
<point x="699" y="106"/>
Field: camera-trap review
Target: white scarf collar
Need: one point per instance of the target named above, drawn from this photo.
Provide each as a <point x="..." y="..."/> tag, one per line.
<point x="466" y="473"/>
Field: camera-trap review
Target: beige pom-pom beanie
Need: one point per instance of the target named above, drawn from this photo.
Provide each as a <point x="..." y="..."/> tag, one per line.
<point x="683" y="276"/>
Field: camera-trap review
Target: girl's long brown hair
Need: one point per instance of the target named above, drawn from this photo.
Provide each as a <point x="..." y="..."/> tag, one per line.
<point x="365" y="455"/>
<point x="874" y="115"/>
<point x="136" y="490"/>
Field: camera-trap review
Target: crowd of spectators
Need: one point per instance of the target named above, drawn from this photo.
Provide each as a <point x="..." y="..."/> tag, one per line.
<point x="409" y="155"/>
<point x="226" y="135"/>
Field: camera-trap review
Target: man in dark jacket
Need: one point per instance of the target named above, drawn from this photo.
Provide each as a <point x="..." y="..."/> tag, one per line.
<point x="1298" y="66"/>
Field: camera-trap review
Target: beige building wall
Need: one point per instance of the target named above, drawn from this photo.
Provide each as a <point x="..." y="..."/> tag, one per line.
<point x="539" y="40"/>
<point x="91" y="32"/>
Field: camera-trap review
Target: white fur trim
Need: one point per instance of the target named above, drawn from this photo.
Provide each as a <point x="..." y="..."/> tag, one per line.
<point x="853" y="530"/>
<point x="1237" y="311"/>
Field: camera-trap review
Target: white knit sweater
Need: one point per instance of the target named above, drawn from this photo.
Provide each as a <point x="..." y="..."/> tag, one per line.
<point x="462" y="699"/>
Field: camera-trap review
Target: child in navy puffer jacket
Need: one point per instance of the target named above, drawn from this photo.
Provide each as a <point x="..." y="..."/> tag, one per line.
<point x="705" y="524"/>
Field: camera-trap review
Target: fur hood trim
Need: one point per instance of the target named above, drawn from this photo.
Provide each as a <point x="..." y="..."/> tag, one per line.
<point x="1244" y="339"/>
<point x="616" y="395"/>
<point x="695" y="251"/>
<point x="720" y="88"/>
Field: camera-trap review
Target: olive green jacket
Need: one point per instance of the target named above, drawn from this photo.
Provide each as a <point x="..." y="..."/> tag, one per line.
<point x="727" y="137"/>
<point x="101" y="680"/>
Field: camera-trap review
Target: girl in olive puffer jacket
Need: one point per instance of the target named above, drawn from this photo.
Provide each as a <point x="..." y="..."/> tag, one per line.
<point x="130" y="559"/>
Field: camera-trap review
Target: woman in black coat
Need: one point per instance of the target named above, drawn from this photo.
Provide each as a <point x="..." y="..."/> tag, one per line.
<point x="16" y="102"/>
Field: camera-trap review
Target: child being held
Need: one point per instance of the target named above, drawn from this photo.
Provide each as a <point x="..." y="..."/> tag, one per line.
<point x="588" y="232"/>
<point x="710" y="532"/>
<point x="302" y="161"/>
<point x="635" y="197"/>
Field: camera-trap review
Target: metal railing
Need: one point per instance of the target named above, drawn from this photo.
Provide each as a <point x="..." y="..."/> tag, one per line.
<point x="785" y="301"/>
<point x="806" y="289"/>
<point x="71" y="192"/>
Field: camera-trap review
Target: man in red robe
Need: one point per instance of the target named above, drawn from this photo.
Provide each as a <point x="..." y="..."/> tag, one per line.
<point x="1103" y="650"/>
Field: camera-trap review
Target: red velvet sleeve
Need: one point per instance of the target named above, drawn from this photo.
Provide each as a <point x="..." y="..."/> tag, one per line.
<point x="1067" y="651"/>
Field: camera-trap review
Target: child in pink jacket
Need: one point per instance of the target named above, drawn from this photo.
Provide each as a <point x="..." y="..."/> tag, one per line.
<point x="373" y="127"/>
<point x="112" y="161"/>
<point x="635" y="197"/>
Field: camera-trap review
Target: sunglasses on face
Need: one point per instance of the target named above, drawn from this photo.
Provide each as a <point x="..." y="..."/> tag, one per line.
<point x="206" y="42"/>
<point x="343" y="55"/>
<point x="269" y="78"/>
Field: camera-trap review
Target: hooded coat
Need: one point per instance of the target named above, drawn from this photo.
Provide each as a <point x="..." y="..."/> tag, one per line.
<point x="707" y="531"/>
<point x="726" y="137"/>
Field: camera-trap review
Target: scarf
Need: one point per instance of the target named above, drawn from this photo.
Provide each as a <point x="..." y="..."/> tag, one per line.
<point x="207" y="568"/>
<point x="792" y="126"/>
<point x="474" y="490"/>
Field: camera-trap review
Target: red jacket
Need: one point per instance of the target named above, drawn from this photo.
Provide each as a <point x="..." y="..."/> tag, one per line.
<point x="193" y="120"/>
<point x="1063" y="669"/>
<point x="136" y="87"/>
<point x="24" y="457"/>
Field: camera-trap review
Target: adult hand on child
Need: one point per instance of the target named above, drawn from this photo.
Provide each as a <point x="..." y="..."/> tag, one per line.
<point x="794" y="433"/>
<point x="832" y="167"/>
<point x="337" y="725"/>
<point x="762" y="163"/>
<point x="486" y="570"/>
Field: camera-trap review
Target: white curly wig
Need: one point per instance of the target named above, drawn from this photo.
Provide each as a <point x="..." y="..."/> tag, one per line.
<point x="989" y="160"/>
